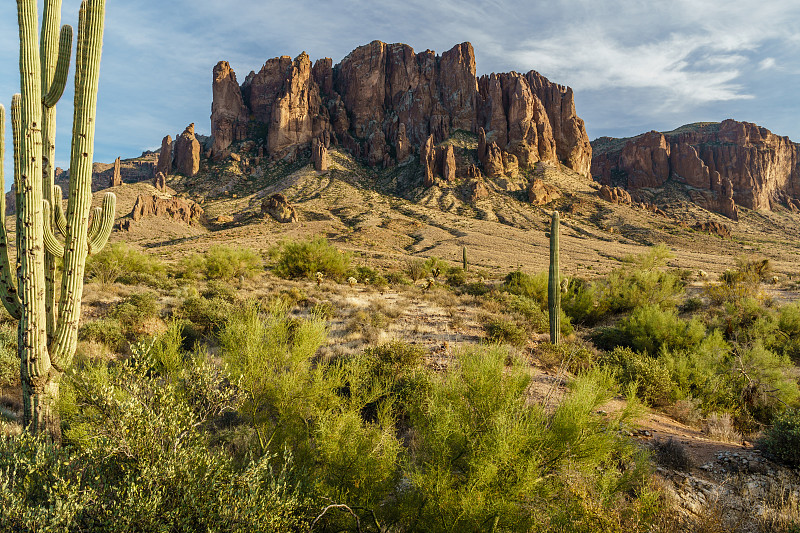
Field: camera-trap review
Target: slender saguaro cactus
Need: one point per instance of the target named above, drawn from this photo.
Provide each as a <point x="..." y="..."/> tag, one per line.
<point x="48" y="329"/>
<point x="554" y="284"/>
<point x="464" y="257"/>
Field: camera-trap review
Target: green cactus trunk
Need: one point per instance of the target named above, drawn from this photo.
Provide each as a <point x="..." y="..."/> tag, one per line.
<point x="464" y="257"/>
<point x="554" y="284"/>
<point x="48" y="332"/>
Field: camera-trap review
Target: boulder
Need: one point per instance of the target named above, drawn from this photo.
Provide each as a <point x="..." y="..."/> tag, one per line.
<point x="279" y="208"/>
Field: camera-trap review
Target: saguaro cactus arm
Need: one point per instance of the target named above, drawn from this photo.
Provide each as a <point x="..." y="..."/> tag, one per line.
<point x="62" y="67"/>
<point x="8" y="288"/>
<point x="58" y="210"/>
<point x="554" y="284"/>
<point x="104" y="222"/>
<point x="51" y="243"/>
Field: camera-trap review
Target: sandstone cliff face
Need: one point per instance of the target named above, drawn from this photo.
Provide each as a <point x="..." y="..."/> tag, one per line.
<point x="116" y="177"/>
<point x="384" y="101"/>
<point x="180" y="209"/>
<point x="722" y="164"/>
<point x="164" y="164"/>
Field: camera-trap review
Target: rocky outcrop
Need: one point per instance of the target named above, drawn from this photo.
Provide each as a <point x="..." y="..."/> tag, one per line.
<point x="614" y="195"/>
<point x="116" y="177"/>
<point x="714" y="228"/>
<point x="164" y="164"/>
<point x="541" y="193"/>
<point x="178" y="209"/>
<point x="160" y="182"/>
<point x="383" y="100"/>
<point x="187" y="153"/>
<point x="722" y="164"/>
<point x="448" y="163"/>
<point x="437" y="162"/>
<point x="229" y="115"/>
<point x="319" y="155"/>
<point x="279" y="208"/>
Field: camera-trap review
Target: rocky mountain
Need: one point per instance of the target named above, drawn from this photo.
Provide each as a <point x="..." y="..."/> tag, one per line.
<point x="384" y="102"/>
<point x="722" y="165"/>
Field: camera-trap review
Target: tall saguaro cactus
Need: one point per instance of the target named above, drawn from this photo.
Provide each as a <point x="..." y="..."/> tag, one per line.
<point x="47" y="335"/>
<point x="554" y="284"/>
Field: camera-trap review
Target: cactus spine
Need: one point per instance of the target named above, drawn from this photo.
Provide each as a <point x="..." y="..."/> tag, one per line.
<point x="464" y="258"/>
<point x="554" y="285"/>
<point x="48" y="332"/>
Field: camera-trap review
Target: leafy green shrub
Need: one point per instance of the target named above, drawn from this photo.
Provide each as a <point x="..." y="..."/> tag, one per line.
<point x="122" y="263"/>
<point x="107" y="331"/>
<point x="205" y="315"/>
<point x="650" y="328"/>
<point x="571" y="356"/>
<point x="485" y="458"/>
<point x="397" y="278"/>
<point x="522" y="284"/>
<point x="537" y="319"/>
<point x="505" y="331"/>
<point x="303" y="259"/>
<point x="642" y="281"/>
<point x="9" y="360"/>
<point x="672" y="454"/>
<point x="221" y="262"/>
<point x="651" y="377"/>
<point x="396" y="357"/>
<point x="477" y="288"/>
<point x="782" y="440"/>
<point x="456" y="277"/>
<point x="417" y="270"/>
<point x="219" y="289"/>
<point x="135" y="311"/>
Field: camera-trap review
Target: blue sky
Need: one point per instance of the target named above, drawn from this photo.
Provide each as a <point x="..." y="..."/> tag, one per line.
<point x="634" y="65"/>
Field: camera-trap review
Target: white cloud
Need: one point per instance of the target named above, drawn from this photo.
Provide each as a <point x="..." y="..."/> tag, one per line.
<point x="767" y="63"/>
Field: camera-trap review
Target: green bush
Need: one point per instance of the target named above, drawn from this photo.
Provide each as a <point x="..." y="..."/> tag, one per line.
<point x="135" y="311"/>
<point x="781" y="441"/>
<point x="9" y="360"/>
<point x="650" y="328"/>
<point x="506" y="331"/>
<point x="107" y="331"/>
<point x="641" y="282"/>
<point x="456" y="277"/>
<point x="205" y="315"/>
<point x="522" y="284"/>
<point x="303" y="259"/>
<point x="485" y="458"/>
<point x="221" y="262"/>
<point x="650" y="376"/>
<point x="122" y="263"/>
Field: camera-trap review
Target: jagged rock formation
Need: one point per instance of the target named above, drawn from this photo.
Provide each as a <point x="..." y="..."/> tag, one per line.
<point x="383" y="100"/>
<point x="187" y="153"/>
<point x="160" y="182"/>
<point x="228" y="112"/>
<point x="164" y="164"/>
<point x="614" y="195"/>
<point x="116" y="177"/>
<point x="319" y="154"/>
<point x="279" y="208"/>
<point x="179" y="209"/>
<point x="722" y="164"/>
<point x="714" y="228"/>
<point x="437" y="161"/>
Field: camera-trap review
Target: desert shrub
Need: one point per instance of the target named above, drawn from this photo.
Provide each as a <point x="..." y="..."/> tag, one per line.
<point x="571" y="356"/>
<point x="720" y="426"/>
<point x="205" y="315"/>
<point x="137" y="458"/>
<point x="122" y="263"/>
<point x="369" y="324"/>
<point x="364" y="274"/>
<point x="456" y="277"/>
<point x="745" y="321"/>
<point x="228" y="262"/>
<point x="485" y="458"/>
<point x="642" y="281"/>
<point x="303" y="259"/>
<point x="9" y="360"/>
<point x="219" y="289"/>
<point x="650" y="328"/>
<point x="522" y="284"/>
<point x="650" y="376"/>
<point x="537" y="319"/>
<point x="396" y="357"/>
<point x="507" y="331"/>
<point x="397" y="278"/>
<point x="789" y="327"/>
<point x="781" y="441"/>
<point x="476" y="288"/>
<point x="416" y="270"/>
<point x="135" y="311"/>
<point x="672" y="454"/>
<point x="740" y="283"/>
<point x="108" y="331"/>
<point x="583" y="302"/>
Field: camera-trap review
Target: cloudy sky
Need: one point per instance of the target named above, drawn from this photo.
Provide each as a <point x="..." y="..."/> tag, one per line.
<point x="634" y="65"/>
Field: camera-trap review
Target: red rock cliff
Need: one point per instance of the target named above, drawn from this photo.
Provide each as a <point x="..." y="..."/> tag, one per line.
<point x="761" y="167"/>
<point x="384" y="101"/>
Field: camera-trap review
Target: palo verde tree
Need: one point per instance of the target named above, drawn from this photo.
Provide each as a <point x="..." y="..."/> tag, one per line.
<point x="48" y="326"/>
